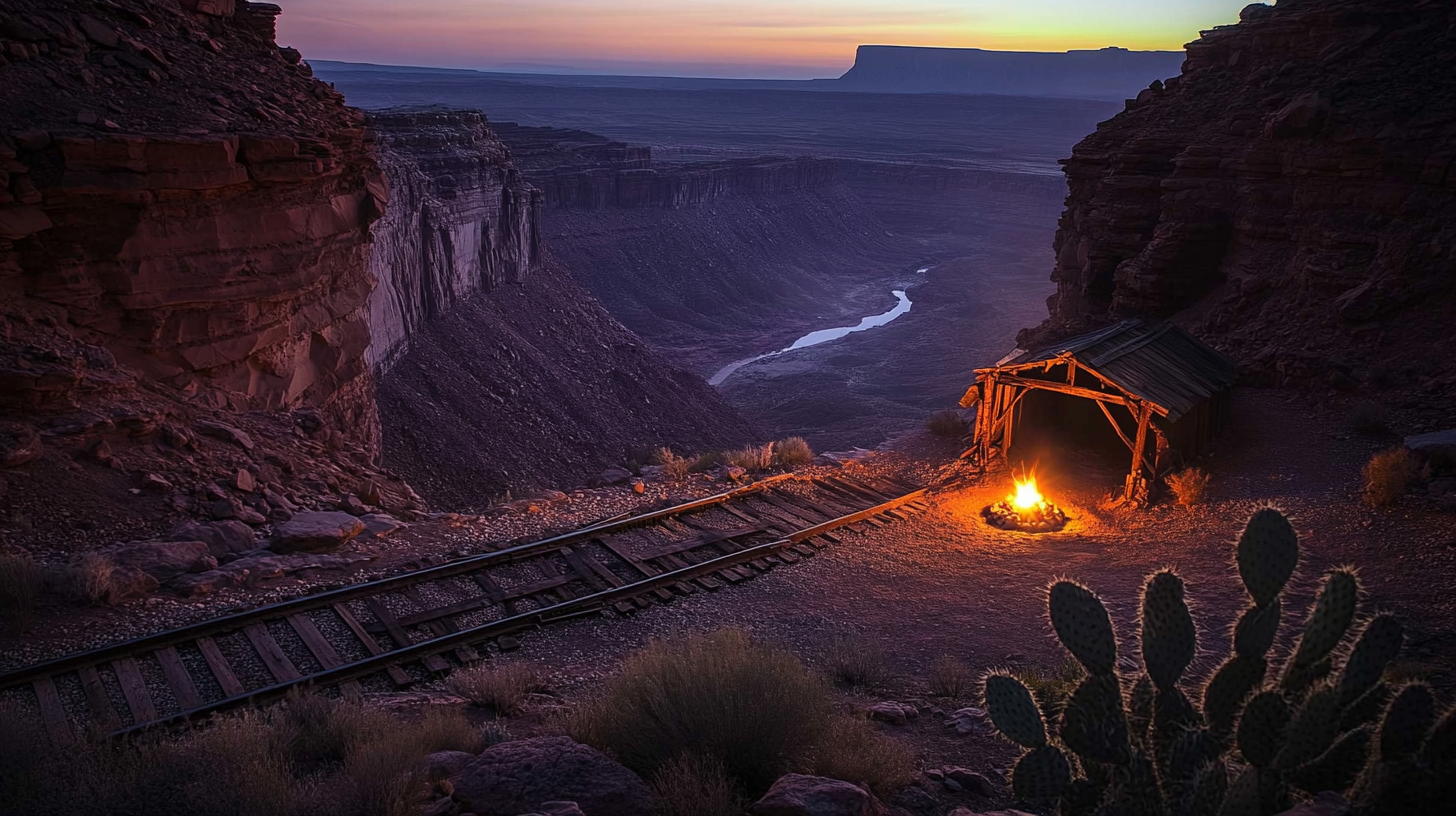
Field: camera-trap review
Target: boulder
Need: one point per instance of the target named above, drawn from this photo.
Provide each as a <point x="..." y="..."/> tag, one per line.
<point x="614" y="476"/>
<point x="1437" y="448"/>
<point x="893" y="713"/>
<point x="225" y="540"/>
<point x="969" y="781"/>
<point x="227" y="433"/>
<point x="315" y="531"/>
<point x="380" y="525"/>
<point x="128" y="582"/>
<point x="164" y="560"/>
<point x="522" y="776"/>
<point x="353" y="506"/>
<point x="801" y="795"/>
<point x="445" y="764"/>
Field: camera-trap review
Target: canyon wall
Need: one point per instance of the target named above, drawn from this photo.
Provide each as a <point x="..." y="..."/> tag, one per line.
<point x="181" y="193"/>
<point x="1291" y="195"/>
<point x="462" y="221"/>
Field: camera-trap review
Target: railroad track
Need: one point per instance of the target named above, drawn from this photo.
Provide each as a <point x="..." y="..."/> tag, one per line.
<point x="408" y="628"/>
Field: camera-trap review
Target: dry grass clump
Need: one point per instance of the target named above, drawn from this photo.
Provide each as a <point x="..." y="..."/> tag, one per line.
<point x="792" y="452"/>
<point x="853" y="662"/>
<point x="951" y="678"/>
<point x="500" y="688"/>
<point x="1188" y="485"/>
<point x="20" y="585"/>
<point x="753" y="458"/>
<point x="855" y="752"/>
<point x="1051" y="686"/>
<point x="706" y="462"/>
<point x="1387" y="475"/>
<point x="946" y="423"/>
<point x="674" y="467"/>
<point x="91" y="578"/>
<point x="691" y="785"/>
<point x="1368" y="418"/>
<point x="755" y="710"/>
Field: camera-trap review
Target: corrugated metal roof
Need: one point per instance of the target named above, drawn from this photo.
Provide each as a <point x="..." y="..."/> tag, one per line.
<point x="1160" y="363"/>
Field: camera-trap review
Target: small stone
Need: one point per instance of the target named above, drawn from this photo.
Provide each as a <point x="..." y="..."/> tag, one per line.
<point x="222" y="509"/>
<point x="733" y="473"/>
<point x="350" y="504"/>
<point x="87" y="118"/>
<point x="892" y="713"/>
<point x="243" y="480"/>
<point x="969" y="780"/>
<point x="152" y="483"/>
<point x="801" y="795"/>
<point x="227" y="433"/>
<point x="638" y="487"/>
<point x="248" y="515"/>
<point x="935" y="775"/>
<point x="614" y="476"/>
<point x="506" y="643"/>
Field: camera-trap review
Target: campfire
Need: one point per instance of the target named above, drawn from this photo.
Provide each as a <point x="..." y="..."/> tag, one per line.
<point x="1026" y="510"/>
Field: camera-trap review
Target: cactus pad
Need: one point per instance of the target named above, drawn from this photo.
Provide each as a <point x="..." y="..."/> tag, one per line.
<point x="1314" y="729"/>
<point x="1336" y="769"/>
<point x="1014" y="712"/>
<point x="1262" y="727"/>
<point x="1242" y="798"/>
<point x="1267" y="554"/>
<point x="1082" y="625"/>
<point x="1330" y="619"/>
<point x="1407" y="721"/>
<point x="1041" y="775"/>
<point x="1256" y="629"/>
<point x="1093" y="723"/>
<point x="1168" y="637"/>
<point x="1234" y="681"/>
<point x="1379" y="644"/>
<point x="1209" y="789"/>
<point x="1140" y="708"/>
<point x="1440" y="750"/>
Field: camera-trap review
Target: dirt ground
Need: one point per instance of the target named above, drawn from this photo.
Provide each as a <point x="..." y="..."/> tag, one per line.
<point x="944" y="583"/>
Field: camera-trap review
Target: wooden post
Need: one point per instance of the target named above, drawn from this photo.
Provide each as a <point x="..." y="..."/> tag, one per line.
<point x="1144" y="414"/>
<point x="1010" y="423"/>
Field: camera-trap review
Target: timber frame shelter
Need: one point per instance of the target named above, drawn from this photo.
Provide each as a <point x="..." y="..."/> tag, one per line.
<point x="1172" y="389"/>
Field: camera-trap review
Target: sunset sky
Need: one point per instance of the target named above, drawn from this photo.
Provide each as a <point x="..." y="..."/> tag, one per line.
<point x="744" y="38"/>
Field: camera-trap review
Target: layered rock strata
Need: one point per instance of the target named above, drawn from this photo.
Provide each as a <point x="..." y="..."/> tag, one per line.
<point x="179" y="191"/>
<point x="1292" y="194"/>
<point x="462" y="221"/>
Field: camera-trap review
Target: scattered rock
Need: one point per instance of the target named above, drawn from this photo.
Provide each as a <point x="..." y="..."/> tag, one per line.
<point x="521" y="776"/>
<point x="350" y="504"/>
<point x="316" y="532"/>
<point x="380" y="525"/>
<point x="968" y="721"/>
<point x="225" y="540"/>
<point x="248" y="515"/>
<point x="893" y="713"/>
<point x="801" y="795"/>
<point x="614" y="476"/>
<point x="128" y="582"/>
<point x="19" y="445"/>
<point x="244" y="481"/>
<point x="733" y="473"/>
<point x="164" y="560"/>
<point x="227" y="433"/>
<point x="445" y="764"/>
<point x="222" y="509"/>
<point x="152" y="483"/>
<point x="638" y="487"/>
<point x="970" y="781"/>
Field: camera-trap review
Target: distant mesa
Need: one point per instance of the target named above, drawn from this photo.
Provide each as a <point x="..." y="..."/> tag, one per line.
<point x="1109" y="73"/>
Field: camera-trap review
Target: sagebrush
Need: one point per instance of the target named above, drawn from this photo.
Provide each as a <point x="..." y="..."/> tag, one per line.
<point x="753" y="458"/>
<point x="1387" y="475"/>
<point x="499" y="688"/>
<point x="1188" y="485"/>
<point x="792" y="452"/>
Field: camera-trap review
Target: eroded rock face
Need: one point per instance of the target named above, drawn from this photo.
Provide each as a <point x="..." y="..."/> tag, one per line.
<point x="462" y="220"/>
<point x="1296" y="186"/>
<point x="186" y="199"/>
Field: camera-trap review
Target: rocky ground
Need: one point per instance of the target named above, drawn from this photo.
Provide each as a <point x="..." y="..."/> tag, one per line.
<point x="945" y="584"/>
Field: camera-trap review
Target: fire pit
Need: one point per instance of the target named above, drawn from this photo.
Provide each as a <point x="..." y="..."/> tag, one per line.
<point x="1025" y="510"/>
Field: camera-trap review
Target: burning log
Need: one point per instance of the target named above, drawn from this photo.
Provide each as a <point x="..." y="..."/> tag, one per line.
<point x="1025" y="510"/>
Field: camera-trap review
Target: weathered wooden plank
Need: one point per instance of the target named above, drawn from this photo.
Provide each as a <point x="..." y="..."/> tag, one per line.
<point x="398" y="675"/>
<point x="646" y="569"/>
<point x="441" y="625"/>
<point x="396" y="632"/>
<point x="102" y="712"/>
<point x="220" y="668"/>
<point x="322" y="650"/>
<point x="52" y="712"/>
<point x="178" y="680"/>
<point x="706" y="539"/>
<point x="134" y="689"/>
<point x="271" y="653"/>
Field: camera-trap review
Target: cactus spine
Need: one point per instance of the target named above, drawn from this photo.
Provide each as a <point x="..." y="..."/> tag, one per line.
<point x="1150" y="750"/>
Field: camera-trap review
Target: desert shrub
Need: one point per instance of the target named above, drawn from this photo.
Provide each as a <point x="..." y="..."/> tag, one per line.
<point x="1367" y="418"/>
<point x="753" y="458"/>
<point x="385" y="777"/>
<point x="1051" y="686"/>
<point x="949" y="677"/>
<point x="446" y="729"/>
<point x="20" y="585"/>
<point x="494" y="733"/>
<point x="707" y="461"/>
<point x="851" y="661"/>
<point x="792" y="452"/>
<point x="855" y="752"/>
<point x="1188" y="485"/>
<point x="1387" y="475"/>
<point x="313" y="730"/>
<point x="91" y="578"/>
<point x="690" y="785"/>
<point x="754" y="709"/>
<point x="500" y="688"/>
<point x="946" y="423"/>
<point x="232" y="768"/>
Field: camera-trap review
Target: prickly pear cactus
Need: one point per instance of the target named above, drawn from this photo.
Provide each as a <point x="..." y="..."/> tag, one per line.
<point x="1141" y="746"/>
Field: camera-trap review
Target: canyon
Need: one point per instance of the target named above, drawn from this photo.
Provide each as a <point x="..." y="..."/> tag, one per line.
<point x="1106" y="73"/>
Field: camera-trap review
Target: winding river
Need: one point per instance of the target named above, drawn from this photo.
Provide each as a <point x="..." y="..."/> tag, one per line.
<point x="815" y="338"/>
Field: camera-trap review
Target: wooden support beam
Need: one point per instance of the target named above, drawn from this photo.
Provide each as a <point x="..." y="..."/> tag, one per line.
<point x="1062" y="388"/>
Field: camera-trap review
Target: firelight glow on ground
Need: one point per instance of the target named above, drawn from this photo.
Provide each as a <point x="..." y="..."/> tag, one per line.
<point x="792" y="39"/>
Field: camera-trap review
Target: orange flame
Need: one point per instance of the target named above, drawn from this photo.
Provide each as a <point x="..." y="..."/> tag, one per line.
<point x="1026" y="495"/>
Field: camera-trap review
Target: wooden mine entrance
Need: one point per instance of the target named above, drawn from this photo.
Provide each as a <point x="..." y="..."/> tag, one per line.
<point x="1164" y="393"/>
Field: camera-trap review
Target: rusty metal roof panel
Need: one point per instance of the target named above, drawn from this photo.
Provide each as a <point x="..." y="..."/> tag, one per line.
<point x="1159" y="363"/>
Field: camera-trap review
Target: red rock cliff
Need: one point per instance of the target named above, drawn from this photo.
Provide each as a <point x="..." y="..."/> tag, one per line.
<point x="178" y="190"/>
<point x="1292" y="193"/>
